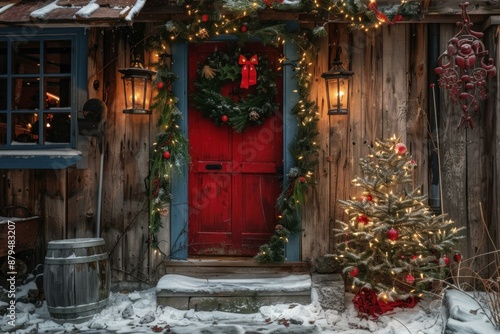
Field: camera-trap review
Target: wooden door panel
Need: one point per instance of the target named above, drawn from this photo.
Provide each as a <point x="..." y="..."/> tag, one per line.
<point x="210" y="212"/>
<point x="234" y="179"/>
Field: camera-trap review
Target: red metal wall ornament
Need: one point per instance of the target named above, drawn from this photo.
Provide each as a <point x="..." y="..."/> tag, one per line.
<point x="462" y="68"/>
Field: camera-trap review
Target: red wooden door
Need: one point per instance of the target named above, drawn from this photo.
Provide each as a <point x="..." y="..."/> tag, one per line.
<point x="235" y="178"/>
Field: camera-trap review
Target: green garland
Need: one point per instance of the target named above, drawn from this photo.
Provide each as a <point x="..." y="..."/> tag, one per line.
<point x="237" y="111"/>
<point x="169" y="152"/>
<point x="303" y="148"/>
<point x="211" y="18"/>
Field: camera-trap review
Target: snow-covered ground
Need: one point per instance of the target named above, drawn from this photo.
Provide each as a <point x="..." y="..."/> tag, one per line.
<point x="137" y="312"/>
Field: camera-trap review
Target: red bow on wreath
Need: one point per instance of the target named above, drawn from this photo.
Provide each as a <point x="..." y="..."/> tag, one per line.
<point x="248" y="71"/>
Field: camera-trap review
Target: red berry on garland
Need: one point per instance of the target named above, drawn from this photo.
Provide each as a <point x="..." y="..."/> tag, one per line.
<point x="410" y="279"/>
<point x="369" y="198"/>
<point x="159" y="85"/>
<point x="243" y="28"/>
<point x="224" y="118"/>
<point x="457" y="257"/>
<point x="392" y="234"/>
<point x="205" y="17"/>
<point x="414" y="257"/>
<point x="166" y="154"/>
<point x="302" y="179"/>
<point x="362" y="219"/>
<point x="354" y="272"/>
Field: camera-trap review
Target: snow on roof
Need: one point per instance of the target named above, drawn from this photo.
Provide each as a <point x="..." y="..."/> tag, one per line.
<point x="88" y="9"/>
<point x="135" y="10"/>
<point x="93" y="12"/>
<point x="42" y="12"/>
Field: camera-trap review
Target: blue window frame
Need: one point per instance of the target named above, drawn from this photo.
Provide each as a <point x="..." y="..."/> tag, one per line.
<point x="43" y="75"/>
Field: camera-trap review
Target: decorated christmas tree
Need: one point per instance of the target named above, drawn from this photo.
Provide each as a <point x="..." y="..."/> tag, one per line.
<point x="393" y="244"/>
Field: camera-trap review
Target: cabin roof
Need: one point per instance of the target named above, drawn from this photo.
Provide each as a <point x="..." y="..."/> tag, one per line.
<point x="125" y="12"/>
<point x="61" y="12"/>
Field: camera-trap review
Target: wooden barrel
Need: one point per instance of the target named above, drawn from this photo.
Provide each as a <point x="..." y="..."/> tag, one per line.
<point x="76" y="279"/>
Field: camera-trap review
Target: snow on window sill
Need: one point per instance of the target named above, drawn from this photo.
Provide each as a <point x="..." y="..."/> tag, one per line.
<point x="54" y="158"/>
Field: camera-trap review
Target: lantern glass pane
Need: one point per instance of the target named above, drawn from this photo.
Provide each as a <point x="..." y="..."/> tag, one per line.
<point x="338" y="94"/>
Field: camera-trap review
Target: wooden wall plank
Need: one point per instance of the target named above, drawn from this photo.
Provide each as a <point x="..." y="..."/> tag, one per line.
<point x="452" y="147"/>
<point x="416" y="113"/>
<point x="340" y="162"/>
<point x="394" y="80"/>
<point x="113" y="215"/>
<point x="55" y="204"/>
<point x="315" y="221"/>
<point x="83" y="180"/>
<point x="493" y="209"/>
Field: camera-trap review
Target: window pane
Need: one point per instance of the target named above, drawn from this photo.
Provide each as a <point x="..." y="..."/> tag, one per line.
<point x="57" y="128"/>
<point x="57" y="93"/>
<point x="57" y="57"/>
<point x="3" y="128"/>
<point x="3" y="57"/>
<point x="24" y="128"/>
<point x="3" y="93"/>
<point x="26" y="57"/>
<point x="25" y="93"/>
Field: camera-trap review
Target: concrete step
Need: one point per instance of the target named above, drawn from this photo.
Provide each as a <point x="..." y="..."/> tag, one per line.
<point x="238" y="295"/>
<point x="247" y="295"/>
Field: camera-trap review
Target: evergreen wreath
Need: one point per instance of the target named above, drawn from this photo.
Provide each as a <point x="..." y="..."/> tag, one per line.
<point x="240" y="109"/>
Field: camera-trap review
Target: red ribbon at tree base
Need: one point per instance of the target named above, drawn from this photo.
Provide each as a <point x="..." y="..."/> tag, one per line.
<point x="366" y="302"/>
<point x="248" y="71"/>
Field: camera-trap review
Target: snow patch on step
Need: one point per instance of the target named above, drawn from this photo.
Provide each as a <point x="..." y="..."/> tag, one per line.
<point x="186" y="284"/>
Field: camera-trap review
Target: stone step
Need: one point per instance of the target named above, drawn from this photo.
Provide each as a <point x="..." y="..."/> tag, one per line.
<point x="247" y="295"/>
<point x="236" y="295"/>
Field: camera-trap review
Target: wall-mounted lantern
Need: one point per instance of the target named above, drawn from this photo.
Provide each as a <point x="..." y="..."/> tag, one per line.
<point x="338" y="82"/>
<point x="137" y="84"/>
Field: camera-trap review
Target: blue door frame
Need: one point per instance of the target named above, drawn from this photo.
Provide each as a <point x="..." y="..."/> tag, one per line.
<point x="179" y="210"/>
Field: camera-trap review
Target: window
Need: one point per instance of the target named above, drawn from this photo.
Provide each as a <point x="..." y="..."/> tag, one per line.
<point x="38" y="83"/>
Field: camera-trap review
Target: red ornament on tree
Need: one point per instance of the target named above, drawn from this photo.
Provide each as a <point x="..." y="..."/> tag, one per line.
<point x="302" y="179"/>
<point x="457" y="257"/>
<point x="224" y="118"/>
<point x="159" y="85"/>
<point x="401" y="148"/>
<point x="354" y="272"/>
<point x="362" y="219"/>
<point x="166" y="154"/>
<point x="392" y="234"/>
<point x="243" y="28"/>
<point x="444" y="261"/>
<point x="369" y="198"/>
<point x="409" y="279"/>
<point x="205" y="17"/>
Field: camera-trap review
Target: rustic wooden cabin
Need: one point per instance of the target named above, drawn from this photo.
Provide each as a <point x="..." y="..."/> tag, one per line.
<point x="73" y="158"/>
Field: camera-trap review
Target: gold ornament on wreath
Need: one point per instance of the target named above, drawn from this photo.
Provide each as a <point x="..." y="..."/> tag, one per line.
<point x="253" y="95"/>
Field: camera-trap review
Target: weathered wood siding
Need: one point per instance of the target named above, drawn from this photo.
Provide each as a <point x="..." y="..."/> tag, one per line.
<point x="390" y="96"/>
